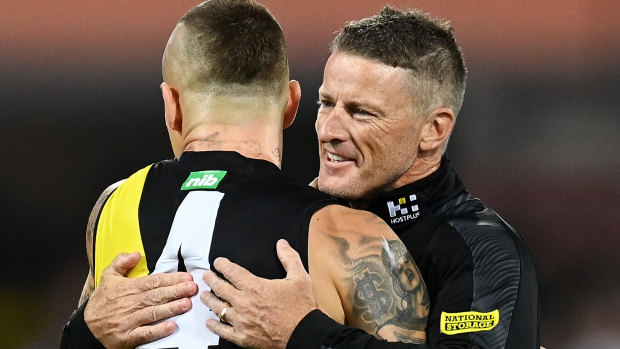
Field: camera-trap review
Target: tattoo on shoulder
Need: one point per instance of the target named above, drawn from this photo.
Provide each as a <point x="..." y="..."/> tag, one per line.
<point x="389" y="295"/>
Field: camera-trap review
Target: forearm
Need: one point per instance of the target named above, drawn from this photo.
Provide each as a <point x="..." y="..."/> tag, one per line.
<point x="317" y="330"/>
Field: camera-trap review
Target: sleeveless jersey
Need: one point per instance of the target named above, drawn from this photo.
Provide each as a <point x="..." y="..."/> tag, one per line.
<point x="181" y="214"/>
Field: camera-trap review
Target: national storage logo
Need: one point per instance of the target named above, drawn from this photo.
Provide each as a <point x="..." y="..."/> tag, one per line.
<point x="203" y="180"/>
<point x="469" y="321"/>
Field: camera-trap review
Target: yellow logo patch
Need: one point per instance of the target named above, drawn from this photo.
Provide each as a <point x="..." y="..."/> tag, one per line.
<point x="468" y="321"/>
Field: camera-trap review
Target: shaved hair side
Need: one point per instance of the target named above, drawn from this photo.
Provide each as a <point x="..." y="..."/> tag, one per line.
<point x="227" y="47"/>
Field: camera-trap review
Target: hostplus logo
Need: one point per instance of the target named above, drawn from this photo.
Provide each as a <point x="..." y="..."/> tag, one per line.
<point x="404" y="209"/>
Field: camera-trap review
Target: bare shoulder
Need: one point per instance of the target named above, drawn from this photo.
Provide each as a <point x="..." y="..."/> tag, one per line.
<point x="378" y="283"/>
<point x="338" y="232"/>
<point x="337" y="220"/>
<point x="108" y="191"/>
<point x="89" y="285"/>
<point x="92" y="219"/>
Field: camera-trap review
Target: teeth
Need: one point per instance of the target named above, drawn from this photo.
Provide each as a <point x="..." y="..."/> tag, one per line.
<point x="335" y="158"/>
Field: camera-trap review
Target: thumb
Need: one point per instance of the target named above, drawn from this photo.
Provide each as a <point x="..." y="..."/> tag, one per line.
<point x="122" y="264"/>
<point x="289" y="258"/>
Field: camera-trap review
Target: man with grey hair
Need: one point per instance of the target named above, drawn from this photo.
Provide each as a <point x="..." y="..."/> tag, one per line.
<point x="391" y="91"/>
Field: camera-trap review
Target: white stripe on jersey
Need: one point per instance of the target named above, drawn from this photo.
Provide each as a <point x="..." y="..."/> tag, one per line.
<point x="191" y="231"/>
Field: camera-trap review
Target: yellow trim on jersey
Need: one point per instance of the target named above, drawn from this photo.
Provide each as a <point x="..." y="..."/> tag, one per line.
<point x="118" y="229"/>
<point x="468" y="321"/>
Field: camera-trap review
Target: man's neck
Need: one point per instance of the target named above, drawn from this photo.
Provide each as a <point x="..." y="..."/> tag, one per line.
<point x="256" y="143"/>
<point x="422" y="167"/>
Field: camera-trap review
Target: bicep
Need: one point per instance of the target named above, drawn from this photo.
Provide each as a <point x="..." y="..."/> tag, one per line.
<point x="380" y="287"/>
<point x="89" y="285"/>
<point x="387" y="296"/>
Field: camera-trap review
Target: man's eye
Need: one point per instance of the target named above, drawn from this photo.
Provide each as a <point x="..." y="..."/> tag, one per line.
<point x="363" y="112"/>
<point x="325" y="104"/>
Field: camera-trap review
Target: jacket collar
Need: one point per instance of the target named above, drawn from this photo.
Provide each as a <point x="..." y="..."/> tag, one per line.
<point x="404" y="206"/>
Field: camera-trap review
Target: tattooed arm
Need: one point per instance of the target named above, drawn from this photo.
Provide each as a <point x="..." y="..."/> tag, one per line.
<point x="360" y="275"/>
<point x="363" y="275"/>
<point x="89" y="286"/>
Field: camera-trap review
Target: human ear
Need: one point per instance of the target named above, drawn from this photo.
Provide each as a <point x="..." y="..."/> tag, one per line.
<point x="437" y="129"/>
<point x="294" y="95"/>
<point x="174" y="118"/>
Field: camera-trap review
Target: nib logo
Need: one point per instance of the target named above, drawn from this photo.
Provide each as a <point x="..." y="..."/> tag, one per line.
<point x="403" y="210"/>
<point x="203" y="180"/>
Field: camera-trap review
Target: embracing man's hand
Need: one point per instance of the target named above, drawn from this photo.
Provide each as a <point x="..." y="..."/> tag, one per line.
<point x="122" y="311"/>
<point x="261" y="313"/>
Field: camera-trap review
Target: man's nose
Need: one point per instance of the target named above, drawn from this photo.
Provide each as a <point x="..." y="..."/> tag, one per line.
<point x="331" y="126"/>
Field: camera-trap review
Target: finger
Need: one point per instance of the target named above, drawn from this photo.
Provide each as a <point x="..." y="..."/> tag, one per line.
<point x="221" y="287"/>
<point x="234" y="273"/>
<point x="150" y="333"/>
<point x="214" y="303"/>
<point x="223" y="330"/>
<point x="122" y="263"/>
<point x="167" y="294"/>
<point x="152" y="314"/>
<point x="155" y="281"/>
<point x="289" y="258"/>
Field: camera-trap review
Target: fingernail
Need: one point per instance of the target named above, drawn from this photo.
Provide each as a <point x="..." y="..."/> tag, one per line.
<point x="187" y="303"/>
<point x="170" y="327"/>
<point x="284" y="242"/>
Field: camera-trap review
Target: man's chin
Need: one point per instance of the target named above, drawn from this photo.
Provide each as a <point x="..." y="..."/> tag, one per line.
<point x="338" y="190"/>
<point x="330" y="188"/>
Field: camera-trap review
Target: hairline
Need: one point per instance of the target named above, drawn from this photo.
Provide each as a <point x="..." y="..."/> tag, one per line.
<point x="422" y="105"/>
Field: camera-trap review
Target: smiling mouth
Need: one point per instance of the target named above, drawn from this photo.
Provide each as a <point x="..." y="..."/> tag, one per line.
<point x="335" y="158"/>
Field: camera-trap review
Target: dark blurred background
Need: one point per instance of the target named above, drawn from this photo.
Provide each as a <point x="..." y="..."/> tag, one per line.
<point x="537" y="139"/>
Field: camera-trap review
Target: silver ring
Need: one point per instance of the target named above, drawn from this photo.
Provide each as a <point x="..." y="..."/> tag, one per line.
<point x="222" y="314"/>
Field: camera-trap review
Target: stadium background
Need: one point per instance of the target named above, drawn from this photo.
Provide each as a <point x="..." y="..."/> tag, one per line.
<point x="537" y="138"/>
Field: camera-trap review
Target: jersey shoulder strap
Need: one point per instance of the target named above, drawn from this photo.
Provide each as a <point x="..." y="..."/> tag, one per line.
<point x="118" y="228"/>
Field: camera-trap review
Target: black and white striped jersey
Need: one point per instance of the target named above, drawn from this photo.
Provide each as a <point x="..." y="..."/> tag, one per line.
<point x="181" y="214"/>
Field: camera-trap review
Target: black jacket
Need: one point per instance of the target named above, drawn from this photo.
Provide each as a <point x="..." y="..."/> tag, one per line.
<point x="480" y="276"/>
<point x="471" y="260"/>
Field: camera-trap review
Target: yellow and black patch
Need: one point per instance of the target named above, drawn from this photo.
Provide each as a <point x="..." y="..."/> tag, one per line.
<point x="468" y="321"/>
<point x="118" y="229"/>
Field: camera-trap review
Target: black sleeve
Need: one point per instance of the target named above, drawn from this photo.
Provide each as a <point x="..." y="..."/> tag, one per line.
<point x="515" y="328"/>
<point x="317" y="330"/>
<point x="77" y="335"/>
